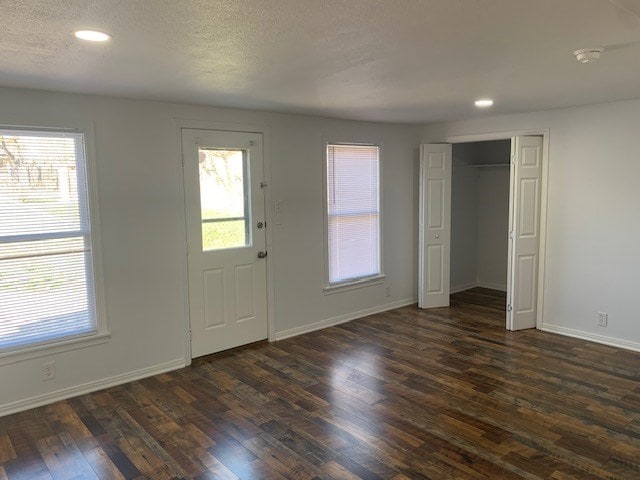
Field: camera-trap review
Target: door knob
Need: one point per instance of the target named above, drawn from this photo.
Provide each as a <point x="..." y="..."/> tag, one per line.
<point x="260" y="225"/>
<point x="262" y="254"/>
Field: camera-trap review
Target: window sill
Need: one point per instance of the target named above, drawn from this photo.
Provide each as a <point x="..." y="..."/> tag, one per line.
<point x="47" y="349"/>
<point x="354" y="285"/>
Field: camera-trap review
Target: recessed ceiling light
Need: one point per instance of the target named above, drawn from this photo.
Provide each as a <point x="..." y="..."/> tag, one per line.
<point x="484" y="103"/>
<point x="92" y="35"/>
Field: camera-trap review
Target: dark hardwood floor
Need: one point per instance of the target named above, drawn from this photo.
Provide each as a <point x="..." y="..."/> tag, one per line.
<point x="405" y="394"/>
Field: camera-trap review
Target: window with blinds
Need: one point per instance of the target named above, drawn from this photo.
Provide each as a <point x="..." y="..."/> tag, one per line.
<point x="46" y="278"/>
<point x="353" y="212"/>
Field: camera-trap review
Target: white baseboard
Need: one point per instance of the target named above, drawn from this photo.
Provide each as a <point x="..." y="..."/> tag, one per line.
<point x="63" y="394"/>
<point x="463" y="287"/>
<point x="467" y="286"/>
<point x="593" y="337"/>
<point x="493" y="286"/>
<point x="330" y="322"/>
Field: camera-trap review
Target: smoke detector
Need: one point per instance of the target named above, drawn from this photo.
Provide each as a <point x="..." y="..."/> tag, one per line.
<point x="587" y="55"/>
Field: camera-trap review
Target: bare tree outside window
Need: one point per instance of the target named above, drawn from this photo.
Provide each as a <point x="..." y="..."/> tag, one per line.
<point x="45" y="248"/>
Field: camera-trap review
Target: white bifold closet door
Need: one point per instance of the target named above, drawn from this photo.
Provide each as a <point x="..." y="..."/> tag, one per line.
<point x="524" y="232"/>
<point x="434" y="225"/>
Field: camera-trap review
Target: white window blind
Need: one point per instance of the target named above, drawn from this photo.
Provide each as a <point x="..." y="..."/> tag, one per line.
<point x="353" y="212"/>
<point x="46" y="278"/>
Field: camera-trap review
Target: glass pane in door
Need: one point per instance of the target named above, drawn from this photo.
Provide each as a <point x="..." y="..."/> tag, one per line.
<point x="224" y="198"/>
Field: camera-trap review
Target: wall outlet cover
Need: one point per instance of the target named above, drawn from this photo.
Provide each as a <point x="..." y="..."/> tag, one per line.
<point x="48" y="370"/>
<point x="603" y="319"/>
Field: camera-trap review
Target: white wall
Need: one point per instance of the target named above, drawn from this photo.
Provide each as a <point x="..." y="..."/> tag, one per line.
<point x="143" y="239"/>
<point x="592" y="227"/>
<point x="493" y="226"/>
<point x="592" y="231"/>
<point x="464" y="223"/>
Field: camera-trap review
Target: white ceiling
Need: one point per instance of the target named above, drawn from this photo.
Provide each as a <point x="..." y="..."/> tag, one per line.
<point x="384" y="60"/>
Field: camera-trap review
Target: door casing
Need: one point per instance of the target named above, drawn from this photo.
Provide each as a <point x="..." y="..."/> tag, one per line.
<point x="180" y="124"/>
<point x="507" y="135"/>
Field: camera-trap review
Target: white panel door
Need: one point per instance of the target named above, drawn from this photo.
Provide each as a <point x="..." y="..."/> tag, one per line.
<point x="434" y="225"/>
<point x="524" y="232"/>
<point x="226" y="241"/>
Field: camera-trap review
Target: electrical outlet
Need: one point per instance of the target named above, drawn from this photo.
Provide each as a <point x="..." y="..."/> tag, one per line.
<point x="603" y="318"/>
<point x="387" y="292"/>
<point x="48" y="370"/>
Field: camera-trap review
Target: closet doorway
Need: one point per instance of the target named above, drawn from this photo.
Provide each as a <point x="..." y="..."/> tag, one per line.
<point x="480" y="181"/>
<point x="480" y="222"/>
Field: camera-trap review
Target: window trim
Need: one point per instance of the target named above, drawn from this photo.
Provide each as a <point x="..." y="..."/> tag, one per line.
<point x="370" y="280"/>
<point x="101" y="334"/>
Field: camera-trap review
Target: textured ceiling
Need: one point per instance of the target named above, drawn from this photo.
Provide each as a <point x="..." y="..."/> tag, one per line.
<point x="387" y="60"/>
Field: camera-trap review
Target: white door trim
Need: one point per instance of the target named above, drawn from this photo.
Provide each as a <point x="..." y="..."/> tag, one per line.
<point x="180" y="124"/>
<point x="507" y="135"/>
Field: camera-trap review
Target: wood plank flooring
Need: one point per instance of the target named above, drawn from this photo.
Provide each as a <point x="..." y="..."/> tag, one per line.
<point x="405" y="394"/>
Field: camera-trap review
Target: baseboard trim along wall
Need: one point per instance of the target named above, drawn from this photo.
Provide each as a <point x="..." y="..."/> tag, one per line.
<point x="63" y="394"/>
<point x="592" y="337"/>
<point x="493" y="286"/>
<point x="330" y="322"/>
<point x="463" y="287"/>
<point x="467" y="286"/>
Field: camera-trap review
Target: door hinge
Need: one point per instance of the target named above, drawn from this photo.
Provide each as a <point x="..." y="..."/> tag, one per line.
<point x="509" y="308"/>
<point x="263" y="184"/>
<point x="511" y="235"/>
<point x="514" y="159"/>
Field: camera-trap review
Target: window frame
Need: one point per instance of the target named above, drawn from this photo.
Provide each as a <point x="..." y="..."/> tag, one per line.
<point x="101" y="334"/>
<point x="355" y="283"/>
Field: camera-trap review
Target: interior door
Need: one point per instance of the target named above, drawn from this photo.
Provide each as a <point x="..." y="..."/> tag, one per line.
<point x="226" y="239"/>
<point x="524" y="232"/>
<point x="434" y="225"/>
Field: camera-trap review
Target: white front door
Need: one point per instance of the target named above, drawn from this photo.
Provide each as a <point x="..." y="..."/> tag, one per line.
<point x="524" y="232"/>
<point x="434" y="225"/>
<point x="226" y="242"/>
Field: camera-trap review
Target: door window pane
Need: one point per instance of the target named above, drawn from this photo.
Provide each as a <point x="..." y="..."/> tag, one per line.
<point x="224" y="198"/>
